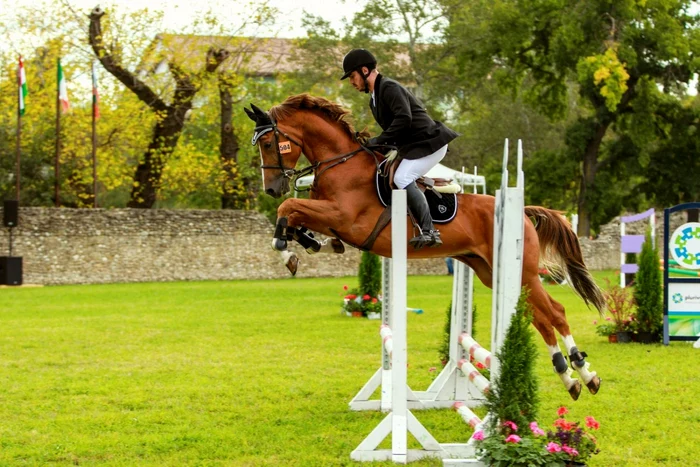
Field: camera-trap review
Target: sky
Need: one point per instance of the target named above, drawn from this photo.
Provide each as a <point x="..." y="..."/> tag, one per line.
<point x="179" y="13"/>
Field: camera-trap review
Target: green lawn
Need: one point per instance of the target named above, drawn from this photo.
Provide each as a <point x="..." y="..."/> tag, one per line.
<point x="260" y="373"/>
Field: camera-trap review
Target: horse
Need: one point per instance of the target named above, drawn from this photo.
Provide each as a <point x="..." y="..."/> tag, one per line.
<point x="344" y="206"/>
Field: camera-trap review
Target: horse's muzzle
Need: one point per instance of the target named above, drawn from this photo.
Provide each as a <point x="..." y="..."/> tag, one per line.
<point x="277" y="187"/>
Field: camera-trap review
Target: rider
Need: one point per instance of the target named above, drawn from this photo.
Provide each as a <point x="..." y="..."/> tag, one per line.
<point x="421" y="141"/>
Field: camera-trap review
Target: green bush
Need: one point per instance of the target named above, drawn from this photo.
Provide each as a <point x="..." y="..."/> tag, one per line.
<point x="370" y="274"/>
<point x="648" y="290"/>
<point x="513" y="395"/>
<point x="444" y="350"/>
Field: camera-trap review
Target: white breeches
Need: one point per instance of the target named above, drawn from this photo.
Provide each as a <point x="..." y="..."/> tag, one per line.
<point x="409" y="170"/>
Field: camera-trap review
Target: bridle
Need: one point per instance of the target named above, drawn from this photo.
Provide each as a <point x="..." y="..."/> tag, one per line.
<point x="272" y="126"/>
<point x="292" y="173"/>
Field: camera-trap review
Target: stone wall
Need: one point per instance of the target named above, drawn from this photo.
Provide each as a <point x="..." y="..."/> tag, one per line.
<point x="79" y="246"/>
<point x="603" y="252"/>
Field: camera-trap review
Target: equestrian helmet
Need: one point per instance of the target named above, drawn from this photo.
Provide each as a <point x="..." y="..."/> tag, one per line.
<point x="356" y="59"/>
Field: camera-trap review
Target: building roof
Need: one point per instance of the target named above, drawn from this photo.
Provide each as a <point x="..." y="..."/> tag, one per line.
<point x="250" y="56"/>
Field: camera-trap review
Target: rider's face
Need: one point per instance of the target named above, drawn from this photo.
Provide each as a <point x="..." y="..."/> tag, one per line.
<point x="356" y="80"/>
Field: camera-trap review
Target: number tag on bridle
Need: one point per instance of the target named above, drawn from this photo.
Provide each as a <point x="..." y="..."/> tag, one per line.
<point x="285" y="147"/>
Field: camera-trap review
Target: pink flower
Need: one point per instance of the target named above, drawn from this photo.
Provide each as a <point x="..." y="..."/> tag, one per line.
<point x="570" y="451"/>
<point x="365" y="297"/>
<point x="553" y="447"/>
<point x="345" y="287"/>
<point x="480" y="365"/>
<point x="374" y="300"/>
<point x="536" y="430"/>
<point x="513" y="439"/>
<point x="351" y="297"/>
<point x="563" y="424"/>
<point x="562" y="411"/>
<point x="592" y="423"/>
<point x="479" y="435"/>
<point x="511" y="425"/>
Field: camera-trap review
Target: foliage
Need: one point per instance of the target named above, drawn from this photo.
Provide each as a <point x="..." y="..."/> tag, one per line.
<point x="624" y="59"/>
<point x="622" y="307"/>
<point x="648" y="290"/>
<point x="369" y="274"/>
<point x="513" y="395"/>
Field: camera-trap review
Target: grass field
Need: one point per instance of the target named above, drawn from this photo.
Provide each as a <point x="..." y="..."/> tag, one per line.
<point x="257" y="373"/>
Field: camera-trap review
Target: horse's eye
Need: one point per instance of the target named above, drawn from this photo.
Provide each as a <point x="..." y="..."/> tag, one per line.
<point x="267" y="145"/>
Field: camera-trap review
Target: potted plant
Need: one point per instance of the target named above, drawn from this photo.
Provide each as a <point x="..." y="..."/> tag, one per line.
<point x="566" y="444"/>
<point x="357" y="305"/>
<point x="365" y="300"/>
<point x="648" y="293"/>
<point x="606" y="328"/>
<point x="621" y="306"/>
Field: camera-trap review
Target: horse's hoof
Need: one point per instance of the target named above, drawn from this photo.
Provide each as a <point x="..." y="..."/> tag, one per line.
<point x="594" y="385"/>
<point x="337" y="246"/>
<point x="293" y="264"/>
<point x="575" y="390"/>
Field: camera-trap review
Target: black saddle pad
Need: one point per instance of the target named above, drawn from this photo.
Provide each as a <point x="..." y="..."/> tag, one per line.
<point x="443" y="206"/>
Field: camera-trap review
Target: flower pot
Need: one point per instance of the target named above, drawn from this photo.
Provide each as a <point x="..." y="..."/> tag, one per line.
<point x="372" y="315"/>
<point x="646" y="337"/>
<point x="357" y="314"/>
<point x="624" y="337"/>
<point x="612" y="338"/>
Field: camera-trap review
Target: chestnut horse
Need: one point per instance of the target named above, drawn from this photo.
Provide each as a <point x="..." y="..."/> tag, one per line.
<point x="344" y="206"/>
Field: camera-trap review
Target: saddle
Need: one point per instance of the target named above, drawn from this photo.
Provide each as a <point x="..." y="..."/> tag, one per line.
<point x="440" y="193"/>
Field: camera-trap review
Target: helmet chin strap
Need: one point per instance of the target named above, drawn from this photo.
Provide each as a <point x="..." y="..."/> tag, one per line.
<point x="364" y="78"/>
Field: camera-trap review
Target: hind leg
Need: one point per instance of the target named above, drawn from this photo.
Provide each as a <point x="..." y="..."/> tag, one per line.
<point x="544" y="323"/>
<point x="576" y="357"/>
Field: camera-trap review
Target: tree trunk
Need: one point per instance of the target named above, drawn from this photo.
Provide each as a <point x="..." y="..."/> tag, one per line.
<point x="148" y="172"/>
<point x="228" y="149"/>
<point x="167" y="131"/>
<point x="590" y="167"/>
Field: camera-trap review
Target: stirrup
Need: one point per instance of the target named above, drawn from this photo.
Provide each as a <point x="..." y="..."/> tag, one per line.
<point x="430" y="238"/>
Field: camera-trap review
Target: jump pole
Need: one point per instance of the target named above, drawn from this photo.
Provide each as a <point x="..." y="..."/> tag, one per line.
<point x="399" y="421"/>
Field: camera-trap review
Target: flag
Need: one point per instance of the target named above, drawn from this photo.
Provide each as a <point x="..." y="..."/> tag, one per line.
<point x="22" y="84"/>
<point x="95" y="94"/>
<point x="62" y="91"/>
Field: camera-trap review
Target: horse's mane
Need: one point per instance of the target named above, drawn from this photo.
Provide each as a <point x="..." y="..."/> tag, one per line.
<point x="329" y="110"/>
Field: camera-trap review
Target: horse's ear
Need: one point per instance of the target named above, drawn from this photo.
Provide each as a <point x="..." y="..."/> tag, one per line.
<point x="251" y="114"/>
<point x="257" y="111"/>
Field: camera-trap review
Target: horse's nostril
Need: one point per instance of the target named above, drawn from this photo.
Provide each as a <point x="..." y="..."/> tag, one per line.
<point x="270" y="192"/>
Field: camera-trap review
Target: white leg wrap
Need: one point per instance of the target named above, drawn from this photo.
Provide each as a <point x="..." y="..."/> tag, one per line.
<point x="286" y="255"/>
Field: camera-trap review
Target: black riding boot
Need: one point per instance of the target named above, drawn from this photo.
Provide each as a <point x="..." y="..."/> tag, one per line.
<point x="429" y="236"/>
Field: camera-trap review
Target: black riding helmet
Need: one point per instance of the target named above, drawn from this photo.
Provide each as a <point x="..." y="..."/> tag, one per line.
<point x="356" y="59"/>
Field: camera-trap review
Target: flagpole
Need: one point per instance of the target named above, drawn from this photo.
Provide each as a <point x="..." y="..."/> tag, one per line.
<point x="58" y="137"/>
<point x="19" y="128"/>
<point x="94" y="138"/>
<point x="19" y="150"/>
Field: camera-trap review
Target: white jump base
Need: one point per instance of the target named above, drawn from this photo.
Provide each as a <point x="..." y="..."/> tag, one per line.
<point x="459" y="385"/>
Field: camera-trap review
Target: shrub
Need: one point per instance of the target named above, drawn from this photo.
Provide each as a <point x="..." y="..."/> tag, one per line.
<point x="370" y="274"/>
<point x="514" y="395"/>
<point x="648" y="290"/>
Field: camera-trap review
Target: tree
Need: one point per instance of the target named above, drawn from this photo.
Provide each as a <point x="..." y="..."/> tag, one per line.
<point x="170" y="117"/>
<point x="610" y="50"/>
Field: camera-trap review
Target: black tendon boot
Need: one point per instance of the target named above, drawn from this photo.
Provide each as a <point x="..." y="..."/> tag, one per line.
<point x="419" y="207"/>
